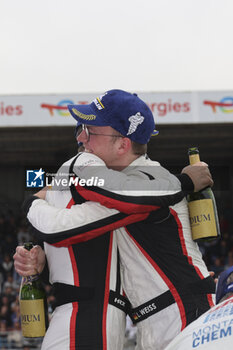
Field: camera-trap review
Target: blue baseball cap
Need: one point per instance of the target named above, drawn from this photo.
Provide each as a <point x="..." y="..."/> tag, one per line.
<point x="123" y="111"/>
<point x="222" y="286"/>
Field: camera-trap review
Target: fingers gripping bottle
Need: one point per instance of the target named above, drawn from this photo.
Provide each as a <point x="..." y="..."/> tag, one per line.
<point x="33" y="305"/>
<point x="202" y="209"/>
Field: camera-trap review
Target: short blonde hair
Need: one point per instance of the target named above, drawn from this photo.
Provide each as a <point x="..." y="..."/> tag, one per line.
<point x="138" y="148"/>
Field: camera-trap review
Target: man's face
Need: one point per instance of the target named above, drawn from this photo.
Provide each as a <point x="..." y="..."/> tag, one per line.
<point x="103" y="141"/>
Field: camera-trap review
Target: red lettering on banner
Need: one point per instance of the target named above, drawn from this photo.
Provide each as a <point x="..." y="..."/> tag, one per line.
<point x="186" y="107"/>
<point x="1" y="108"/>
<point x="163" y="108"/>
<point x="176" y="107"/>
<point x="170" y="105"/>
<point x="19" y="110"/>
<point x="10" y="110"/>
<point x="152" y="106"/>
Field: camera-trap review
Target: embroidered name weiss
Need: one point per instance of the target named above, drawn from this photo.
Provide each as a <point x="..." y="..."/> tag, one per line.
<point x="142" y="312"/>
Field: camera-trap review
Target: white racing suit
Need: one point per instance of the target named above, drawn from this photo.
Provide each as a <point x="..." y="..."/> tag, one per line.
<point x="85" y="274"/>
<point x="211" y="331"/>
<point x="92" y="267"/>
<point x="164" y="276"/>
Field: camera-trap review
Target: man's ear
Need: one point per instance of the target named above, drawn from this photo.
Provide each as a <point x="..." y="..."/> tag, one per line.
<point x="125" y="145"/>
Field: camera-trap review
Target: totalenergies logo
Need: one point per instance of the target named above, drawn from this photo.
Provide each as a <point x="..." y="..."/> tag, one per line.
<point x="61" y="107"/>
<point x="225" y="105"/>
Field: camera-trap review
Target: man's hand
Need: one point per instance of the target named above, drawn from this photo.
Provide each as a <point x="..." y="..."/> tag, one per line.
<point x="42" y="193"/>
<point x="200" y="175"/>
<point x="29" y="263"/>
<point x="212" y="274"/>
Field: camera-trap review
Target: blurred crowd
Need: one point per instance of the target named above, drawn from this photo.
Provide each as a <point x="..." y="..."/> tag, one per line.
<point x="14" y="230"/>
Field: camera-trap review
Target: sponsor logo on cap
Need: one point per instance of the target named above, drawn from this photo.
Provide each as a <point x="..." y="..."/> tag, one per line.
<point x="134" y="120"/>
<point x="98" y="102"/>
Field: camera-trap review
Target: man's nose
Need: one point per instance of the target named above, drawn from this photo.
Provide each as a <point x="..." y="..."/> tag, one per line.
<point x="82" y="136"/>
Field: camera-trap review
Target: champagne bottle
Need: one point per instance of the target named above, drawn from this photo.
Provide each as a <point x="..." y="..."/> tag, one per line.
<point x="33" y="305"/>
<point x="202" y="209"/>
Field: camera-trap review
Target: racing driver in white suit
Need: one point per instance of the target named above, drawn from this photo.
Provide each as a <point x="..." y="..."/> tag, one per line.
<point x="214" y="329"/>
